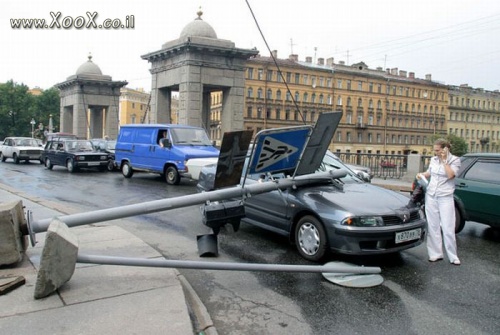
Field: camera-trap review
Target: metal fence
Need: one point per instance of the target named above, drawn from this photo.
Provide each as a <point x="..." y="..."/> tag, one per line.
<point x="382" y="166"/>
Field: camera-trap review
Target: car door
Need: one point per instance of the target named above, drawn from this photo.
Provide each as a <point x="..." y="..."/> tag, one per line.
<point x="268" y="210"/>
<point x="478" y="187"/>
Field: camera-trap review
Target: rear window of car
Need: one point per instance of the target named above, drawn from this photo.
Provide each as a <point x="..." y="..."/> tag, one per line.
<point x="486" y="171"/>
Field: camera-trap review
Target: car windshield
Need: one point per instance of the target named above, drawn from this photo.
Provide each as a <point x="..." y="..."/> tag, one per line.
<point x="79" y="145"/>
<point x="27" y="142"/>
<point x="110" y="145"/>
<point x="330" y="162"/>
<point x="190" y="136"/>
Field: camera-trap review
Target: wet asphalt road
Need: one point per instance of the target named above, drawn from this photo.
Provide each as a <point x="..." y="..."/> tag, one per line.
<point x="417" y="297"/>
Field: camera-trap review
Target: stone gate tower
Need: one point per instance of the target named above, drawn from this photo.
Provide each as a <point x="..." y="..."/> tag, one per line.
<point x="89" y="103"/>
<point x="196" y="64"/>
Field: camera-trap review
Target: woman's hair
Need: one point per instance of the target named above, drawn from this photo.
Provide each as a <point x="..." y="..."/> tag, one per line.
<point x="443" y="143"/>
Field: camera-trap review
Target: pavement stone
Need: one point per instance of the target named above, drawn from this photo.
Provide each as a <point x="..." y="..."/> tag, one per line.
<point x="98" y="299"/>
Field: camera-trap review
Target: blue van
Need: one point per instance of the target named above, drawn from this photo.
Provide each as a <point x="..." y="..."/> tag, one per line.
<point x="161" y="148"/>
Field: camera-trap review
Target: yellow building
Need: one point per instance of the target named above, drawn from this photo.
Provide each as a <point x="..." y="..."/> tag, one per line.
<point x="384" y="111"/>
<point x="475" y="117"/>
<point x="135" y="108"/>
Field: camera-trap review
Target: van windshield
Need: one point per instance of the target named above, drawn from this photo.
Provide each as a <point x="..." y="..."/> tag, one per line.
<point x="190" y="136"/>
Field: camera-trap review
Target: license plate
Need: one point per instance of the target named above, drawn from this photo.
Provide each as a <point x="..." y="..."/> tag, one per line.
<point x="93" y="163"/>
<point x="408" y="235"/>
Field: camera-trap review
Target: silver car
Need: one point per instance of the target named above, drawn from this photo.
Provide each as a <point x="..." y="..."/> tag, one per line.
<point x="345" y="215"/>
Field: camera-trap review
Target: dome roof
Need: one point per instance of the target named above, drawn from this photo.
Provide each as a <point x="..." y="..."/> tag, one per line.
<point x="198" y="28"/>
<point x="89" y="67"/>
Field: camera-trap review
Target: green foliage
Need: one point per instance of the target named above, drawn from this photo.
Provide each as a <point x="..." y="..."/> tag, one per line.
<point x="18" y="107"/>
<point x="458" y="144"/>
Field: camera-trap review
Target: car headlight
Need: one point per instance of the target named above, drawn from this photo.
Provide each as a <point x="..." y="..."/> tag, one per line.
<point x="80" y="158"/>
<point x="104" y="158"/>
<point x="22" y="152"/>
<point x="363" y="221"/>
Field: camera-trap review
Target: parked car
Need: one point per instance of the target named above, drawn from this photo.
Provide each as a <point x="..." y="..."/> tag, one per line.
<point x="20" y="149"/>
<point x="107" y="146"/>
<point x="161" y="148"/>
<point x="345" y="215"/>
<point x="73" y="154"/>
<point x="477" y="188"/>
<point x="363" y="172"/>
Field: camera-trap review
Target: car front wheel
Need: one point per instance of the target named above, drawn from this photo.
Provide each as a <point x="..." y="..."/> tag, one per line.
<point x="111" y="165"/>
<point x="2" y="158"/>
<point x="127" y="170"/>
<point x="172" y="176"/>
<point x="310" y="238"/>
<point x="48" y="164"/>
<point x="70" y="165"/>
<point x="16" y="159"/>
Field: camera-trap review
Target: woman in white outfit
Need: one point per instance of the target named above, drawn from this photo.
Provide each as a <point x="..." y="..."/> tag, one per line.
<point x="439" y="203"/>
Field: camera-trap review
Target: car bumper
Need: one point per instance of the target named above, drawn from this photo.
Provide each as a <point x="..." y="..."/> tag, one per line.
<point x="29" y="156"/>
<point x="373" y="240"/>
<point x="92" y="164"/>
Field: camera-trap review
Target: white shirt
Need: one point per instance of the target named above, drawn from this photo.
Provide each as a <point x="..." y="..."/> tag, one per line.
<point x="440" y="185"/>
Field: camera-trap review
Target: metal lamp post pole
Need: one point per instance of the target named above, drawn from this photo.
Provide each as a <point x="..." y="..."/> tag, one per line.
<point x="32" y="122"/>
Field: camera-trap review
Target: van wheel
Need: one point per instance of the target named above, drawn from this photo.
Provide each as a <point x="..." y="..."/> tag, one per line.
<point x="172" y="176"/>
<point x="127" y="170"/>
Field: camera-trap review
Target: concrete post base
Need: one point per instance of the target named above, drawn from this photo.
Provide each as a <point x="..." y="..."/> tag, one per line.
<point x="58" y="260"/>
<point x="12" y="242"/>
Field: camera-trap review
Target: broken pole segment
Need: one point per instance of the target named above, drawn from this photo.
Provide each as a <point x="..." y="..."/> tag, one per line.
<point x="165" y="263"/>
<point x="12" y="240"/>
<point x="102" y="215"/>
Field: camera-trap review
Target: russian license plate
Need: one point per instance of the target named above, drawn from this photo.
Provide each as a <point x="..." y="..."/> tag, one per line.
<point x="93" y="163"/>
<point x="408" y="235"/>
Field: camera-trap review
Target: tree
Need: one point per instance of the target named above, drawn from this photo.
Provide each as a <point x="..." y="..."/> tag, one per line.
<point x="18" y="107"/>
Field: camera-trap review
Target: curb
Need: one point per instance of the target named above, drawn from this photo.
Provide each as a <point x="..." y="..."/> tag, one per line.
<point x="203" y="323"/>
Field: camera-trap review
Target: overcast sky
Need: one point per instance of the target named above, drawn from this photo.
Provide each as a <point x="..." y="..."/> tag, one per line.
<point x="457" y="41"/>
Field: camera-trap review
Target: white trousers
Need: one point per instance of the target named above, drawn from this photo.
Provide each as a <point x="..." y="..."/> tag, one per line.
<point x="440" y="212"/>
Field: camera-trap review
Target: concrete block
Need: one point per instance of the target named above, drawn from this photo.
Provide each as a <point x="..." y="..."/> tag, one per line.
<point x="12" y="242"/>
<point x="58" y="260"/>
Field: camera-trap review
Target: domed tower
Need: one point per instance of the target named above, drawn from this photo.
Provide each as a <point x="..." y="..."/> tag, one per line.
<point x="89" y="102"/>
<point x="196" y="64"/>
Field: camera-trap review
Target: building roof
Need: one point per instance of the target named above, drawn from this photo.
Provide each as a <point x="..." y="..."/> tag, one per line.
<point x="89" y="67"/>
<point x="198" y="28"/>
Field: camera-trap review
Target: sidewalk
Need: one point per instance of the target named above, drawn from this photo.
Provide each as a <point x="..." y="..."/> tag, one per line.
<point x="99" y="299"/>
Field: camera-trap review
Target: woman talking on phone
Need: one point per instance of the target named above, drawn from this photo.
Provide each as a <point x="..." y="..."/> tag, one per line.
<point x="439" y="203"/>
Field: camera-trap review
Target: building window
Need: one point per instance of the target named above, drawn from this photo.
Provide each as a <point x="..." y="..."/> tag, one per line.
<point x="269" y="75"/>
<point x="329" y="82"/>
<point x="349" y="85"/>
<point x="360" y="102"/>
<point x="339" y="83"/>
<point x="249" y="112"/>
<point x="379" y="88"/>
<point x="278" y="95"/>
<point x="250" y="92"/>
<point x="306" y="79"/>
<point x="360" y="85"/>
<point x="313" y="98"/>
<point x="360" y="138"/>
<point x="268" y="113"/>
<point x="133" y="105"/>
<point x="288" y="77"/>
<point x="330" y="99"/>
<point x="321" y="98"/>
<point x="349" y="118"/>
<point x="250" y="73"/>
<point x="370" y="119"/>
<point x="260" y="74"/>
<point x="379" y="138"/>
<point x="370" y="138"/>
<point x="313" y="81"/>
<point x="339" y="136"/>
<point x="279" y="77"/>
<point x="297" y="78"/>
<point x="339" y="101"/>
<point x="269" y="94"/>
<point x="297" y="98"/>
<point x="305" y="97"/>
<point x="287" y="114"/>
<point x="321" y="82"/>
<point x="348" y="136"/>
<point x="259" y="113"/>
<point x="259" y="93"/>
<point x="278" y="114"/>
<point x="288" y="96"/>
